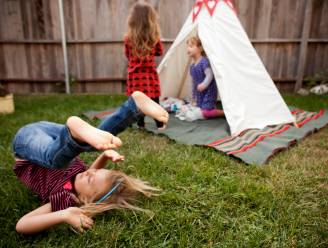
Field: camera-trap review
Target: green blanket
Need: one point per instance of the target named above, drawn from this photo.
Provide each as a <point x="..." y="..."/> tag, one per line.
<point x="251" y="146"/>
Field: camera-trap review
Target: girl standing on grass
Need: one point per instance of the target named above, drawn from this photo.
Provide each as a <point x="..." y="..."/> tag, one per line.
<point x="47" y="162"/>
<point x="204" y="89"/>
<point x="142" y="44"/>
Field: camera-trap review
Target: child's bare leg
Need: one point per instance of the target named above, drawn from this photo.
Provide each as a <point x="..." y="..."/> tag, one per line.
<point x="220" y="113"/>
<point x="149" y="107"/>
<point x="84" y="132"/>
<point x="213" y="113"/>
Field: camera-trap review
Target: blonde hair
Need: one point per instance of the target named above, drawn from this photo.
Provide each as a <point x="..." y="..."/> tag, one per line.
<point x="122" y="197"/>
<point x="143" y="29"/>
<point x="197" y="42"/>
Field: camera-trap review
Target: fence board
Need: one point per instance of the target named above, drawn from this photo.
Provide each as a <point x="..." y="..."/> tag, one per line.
<point x="30" y="46"/>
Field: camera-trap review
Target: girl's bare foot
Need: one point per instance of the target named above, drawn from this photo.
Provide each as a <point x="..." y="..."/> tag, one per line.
<point x="84" y="132"/>
<point x="149" y="107"/>
<point x="162" y="128"/>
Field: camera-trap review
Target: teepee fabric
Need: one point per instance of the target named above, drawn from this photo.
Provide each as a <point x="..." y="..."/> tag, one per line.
<point x="249" y="97"/>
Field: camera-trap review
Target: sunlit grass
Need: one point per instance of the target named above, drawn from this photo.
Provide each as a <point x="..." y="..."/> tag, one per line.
<point x="207" y="200"/>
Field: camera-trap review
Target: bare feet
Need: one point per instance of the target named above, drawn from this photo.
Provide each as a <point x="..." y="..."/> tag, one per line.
<point x="84" y="132"/>
<point x="161" y="128"/>
<point x="150" y="108"/>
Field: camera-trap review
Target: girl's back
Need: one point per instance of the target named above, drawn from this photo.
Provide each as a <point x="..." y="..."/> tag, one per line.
<point x="142" y="73"/>
<point x="142" y="44"/>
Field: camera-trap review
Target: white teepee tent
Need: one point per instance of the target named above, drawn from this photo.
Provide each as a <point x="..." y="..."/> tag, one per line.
<point x="249" y="97"/>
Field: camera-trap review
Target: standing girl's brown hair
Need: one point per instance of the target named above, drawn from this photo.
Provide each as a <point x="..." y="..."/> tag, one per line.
<point x="143" y="29"/>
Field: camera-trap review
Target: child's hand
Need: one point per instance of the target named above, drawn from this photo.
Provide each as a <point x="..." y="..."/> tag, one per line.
<point x="76" y="218"/>
<point x="113" y="155"/>
<point x="201" y="87"/>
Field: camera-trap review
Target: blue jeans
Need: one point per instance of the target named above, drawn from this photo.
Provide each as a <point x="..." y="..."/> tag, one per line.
<point x="51" y="145"/>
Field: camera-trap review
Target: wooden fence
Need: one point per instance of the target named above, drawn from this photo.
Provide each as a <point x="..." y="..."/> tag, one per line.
<point x="291" y="37"/>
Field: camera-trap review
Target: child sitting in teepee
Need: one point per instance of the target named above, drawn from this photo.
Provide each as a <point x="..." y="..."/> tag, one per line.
<point x="204" y="89"/>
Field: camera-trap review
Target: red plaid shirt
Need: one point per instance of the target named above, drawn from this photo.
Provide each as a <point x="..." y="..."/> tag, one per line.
<point x="142" y="72"/>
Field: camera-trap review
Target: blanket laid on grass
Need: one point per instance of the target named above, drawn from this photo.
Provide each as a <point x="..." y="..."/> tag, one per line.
<point x="98" y="114"/>
<point x="252" y="146"/>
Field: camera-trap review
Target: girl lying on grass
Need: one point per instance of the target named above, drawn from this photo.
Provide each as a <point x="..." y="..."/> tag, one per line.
<point x="47" y="162"/>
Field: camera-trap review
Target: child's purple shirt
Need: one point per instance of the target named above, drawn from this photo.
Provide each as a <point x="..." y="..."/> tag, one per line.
<point x="206" y="99"/>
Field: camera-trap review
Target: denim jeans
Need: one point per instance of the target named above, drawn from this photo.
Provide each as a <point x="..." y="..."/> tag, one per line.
<point x="51" y="145"/>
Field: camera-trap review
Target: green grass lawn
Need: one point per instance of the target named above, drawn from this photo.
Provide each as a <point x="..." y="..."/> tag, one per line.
<point x="208" y="199"/>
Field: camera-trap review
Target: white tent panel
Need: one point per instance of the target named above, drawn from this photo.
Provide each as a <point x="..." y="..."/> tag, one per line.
<point x="174" y="69"/>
